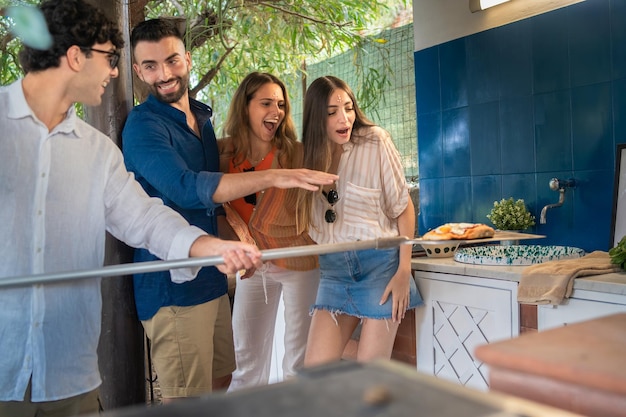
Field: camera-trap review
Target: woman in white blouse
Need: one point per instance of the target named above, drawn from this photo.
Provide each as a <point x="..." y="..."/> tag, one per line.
<point x="369" y="201"/>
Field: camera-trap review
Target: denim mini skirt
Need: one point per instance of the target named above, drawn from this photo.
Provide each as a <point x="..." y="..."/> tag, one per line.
<point x="353" y="282"/>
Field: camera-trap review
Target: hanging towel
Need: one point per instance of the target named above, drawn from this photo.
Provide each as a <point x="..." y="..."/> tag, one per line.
<point x="552" y="282"/>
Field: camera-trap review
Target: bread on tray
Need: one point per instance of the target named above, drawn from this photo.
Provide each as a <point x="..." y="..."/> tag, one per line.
<point x="462" y="231"/>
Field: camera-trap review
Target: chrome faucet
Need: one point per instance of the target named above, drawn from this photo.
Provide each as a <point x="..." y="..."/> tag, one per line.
<point x="560" y="185"/>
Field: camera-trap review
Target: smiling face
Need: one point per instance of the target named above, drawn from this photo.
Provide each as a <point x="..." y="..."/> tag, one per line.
<point x="97" y="74"/>
<point x="266" y="111"/>
<point x="341" y="117"/>
<point x="164" y="66"/>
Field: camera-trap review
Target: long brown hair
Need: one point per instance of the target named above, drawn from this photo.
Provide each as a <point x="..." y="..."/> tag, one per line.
<point x="316" y="145"/>
<point x="237" y="124"/>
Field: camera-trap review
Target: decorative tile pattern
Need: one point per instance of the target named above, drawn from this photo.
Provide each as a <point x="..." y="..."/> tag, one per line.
<point x="458" y="331"/>
<point x="515" y="254"/>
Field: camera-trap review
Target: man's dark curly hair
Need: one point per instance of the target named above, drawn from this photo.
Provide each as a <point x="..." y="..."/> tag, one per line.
<point x="70" y="22"/>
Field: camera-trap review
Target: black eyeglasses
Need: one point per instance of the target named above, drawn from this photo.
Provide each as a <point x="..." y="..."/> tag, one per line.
<point x="332" y="197"/>
<point x="250" y="198"/>
<point x="114" y="57"/>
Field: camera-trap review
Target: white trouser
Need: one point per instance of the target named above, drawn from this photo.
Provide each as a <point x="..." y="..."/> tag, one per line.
<point x="254" y="319"/>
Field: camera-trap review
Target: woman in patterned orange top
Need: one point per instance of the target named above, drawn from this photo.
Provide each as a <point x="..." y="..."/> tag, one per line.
<point x="261" y="135"/>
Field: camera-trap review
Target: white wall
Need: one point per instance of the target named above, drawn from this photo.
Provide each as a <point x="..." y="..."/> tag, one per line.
<point x="439" y="21"/>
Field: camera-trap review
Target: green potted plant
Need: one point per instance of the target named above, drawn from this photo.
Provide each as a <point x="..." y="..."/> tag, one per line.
<point x="508" y="214"/>
<point x="618" y="253"/>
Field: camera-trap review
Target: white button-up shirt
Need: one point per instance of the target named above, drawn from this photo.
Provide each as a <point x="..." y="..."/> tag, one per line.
<point x="60" y="191"/>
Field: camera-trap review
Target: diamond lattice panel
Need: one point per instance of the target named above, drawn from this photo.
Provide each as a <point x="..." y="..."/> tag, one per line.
<point x="458" y="330"/>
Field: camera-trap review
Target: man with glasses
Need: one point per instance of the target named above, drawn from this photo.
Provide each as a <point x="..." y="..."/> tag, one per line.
<point x="64" y="185"/>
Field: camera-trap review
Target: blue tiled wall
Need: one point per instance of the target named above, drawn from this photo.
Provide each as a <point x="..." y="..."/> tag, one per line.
<point x="503" y="111"/>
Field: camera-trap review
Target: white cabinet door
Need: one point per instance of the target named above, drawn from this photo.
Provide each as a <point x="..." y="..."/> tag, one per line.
<point x="460" y="314"/>
<point x="584" y="305"/>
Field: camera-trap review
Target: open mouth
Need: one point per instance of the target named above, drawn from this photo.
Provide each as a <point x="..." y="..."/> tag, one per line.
<point x="270" y="124"/>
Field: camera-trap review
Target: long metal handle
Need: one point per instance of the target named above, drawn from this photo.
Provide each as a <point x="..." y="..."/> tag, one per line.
<point x="154" y="266"/>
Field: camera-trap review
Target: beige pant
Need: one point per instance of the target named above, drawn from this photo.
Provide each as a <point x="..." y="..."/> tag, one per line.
<point x="86" y="403"/>
<point x="190" y="346"/>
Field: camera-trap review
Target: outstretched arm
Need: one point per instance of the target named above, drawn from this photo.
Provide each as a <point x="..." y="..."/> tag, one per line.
<point x="233" y="186"/>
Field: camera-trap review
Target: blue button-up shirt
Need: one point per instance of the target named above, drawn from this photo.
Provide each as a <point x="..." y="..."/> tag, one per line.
<point x="172" y="163"/>
<point x="61" y="191"/>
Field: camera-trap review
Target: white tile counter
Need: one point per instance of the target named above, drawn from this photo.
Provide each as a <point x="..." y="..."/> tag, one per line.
<point x="606" y="283"/>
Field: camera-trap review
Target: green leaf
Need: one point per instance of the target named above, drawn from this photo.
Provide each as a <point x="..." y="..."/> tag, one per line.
<point x="618" y="253"/>
<point x="508" y="214"/>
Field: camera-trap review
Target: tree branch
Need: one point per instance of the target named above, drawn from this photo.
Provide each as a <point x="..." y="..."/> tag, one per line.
<point x="206" y="78"/>
<point x="136" y="9"/>
<point x="204" y="27"/>
<point x="178" y="6"/>
<point x="305" y="17"/>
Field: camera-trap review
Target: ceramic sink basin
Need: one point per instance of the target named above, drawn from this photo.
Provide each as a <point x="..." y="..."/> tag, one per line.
<point x="515" y="254"/>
